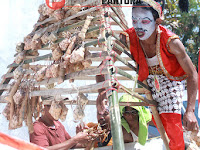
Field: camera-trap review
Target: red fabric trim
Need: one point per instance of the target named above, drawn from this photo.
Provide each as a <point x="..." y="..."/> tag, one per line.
<point x="169" y="60"/>
<point x="18" y="144"/>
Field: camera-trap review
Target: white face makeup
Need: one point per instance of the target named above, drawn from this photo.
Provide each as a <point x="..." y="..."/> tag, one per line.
<point x="143" y="22"/>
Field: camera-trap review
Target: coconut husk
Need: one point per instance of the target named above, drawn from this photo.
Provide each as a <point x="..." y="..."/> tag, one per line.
<point x="36" y="44"/>
<point x="20" y="47"/>
<point x="77" y="55"/>
<point x="55" y="70"/>
<point x="45" y="38"/>
<point x="86" y="63"/>
<point x="57" y="54"/>
<point x="27" y="41"/>
<point x="78" y="113"/>
<point x="19" y="58"/>
<point x="18" y="72"/>
<point x="39" y="76"/>
<point x="63" y="112"/>
<point x="64" y="44"/>
<point x="48" y="73"/>
<point x="61" y="73"/>
<point x="59" y="14"/>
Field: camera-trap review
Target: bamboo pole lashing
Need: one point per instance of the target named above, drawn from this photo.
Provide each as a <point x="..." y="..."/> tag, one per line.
<point x="90" y="102"/>
<point x="121" y="42"/>
<point x="137" y="90"/>
<point x="92" y="58"/>
<point x="125" y="74"/>
<point x="124" y="61"/>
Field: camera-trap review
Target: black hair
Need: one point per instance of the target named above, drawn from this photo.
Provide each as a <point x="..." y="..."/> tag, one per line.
<point x="154" y="12"/>
<point x="183" y="5"/>
<point x="125" y="108"/>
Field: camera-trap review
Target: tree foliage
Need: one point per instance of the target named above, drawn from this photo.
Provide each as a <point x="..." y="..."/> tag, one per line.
<point x="186" y="25"/>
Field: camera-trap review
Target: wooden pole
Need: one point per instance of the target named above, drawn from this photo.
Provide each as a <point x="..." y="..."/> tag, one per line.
<point x="134" y="94"/>
<point x="60" y="91"/>
<point x="119" y="16"/>
<point x="123" y="28"/>
<point x="116" y="129"/>
<point x="122" y="50"/>
<point x="158" y="121"/>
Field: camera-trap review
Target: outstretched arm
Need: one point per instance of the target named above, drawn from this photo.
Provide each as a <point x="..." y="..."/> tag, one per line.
<point x="189" y="119"/>
<point x="73" y="142"/>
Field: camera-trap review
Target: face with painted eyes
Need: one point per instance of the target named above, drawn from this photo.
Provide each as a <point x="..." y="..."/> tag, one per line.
<point x="143" y="22"/>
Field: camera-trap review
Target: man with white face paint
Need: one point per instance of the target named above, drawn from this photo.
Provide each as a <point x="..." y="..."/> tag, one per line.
<point x="143" y="22"/>
<point x="163" y="62"/>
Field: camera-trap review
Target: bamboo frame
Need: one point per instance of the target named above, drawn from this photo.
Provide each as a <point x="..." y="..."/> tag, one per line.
<point x="113" y="99"/>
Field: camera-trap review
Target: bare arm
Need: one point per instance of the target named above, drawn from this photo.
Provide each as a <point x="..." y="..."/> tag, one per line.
<point x="127" y="136"/>
<point x="177" y="48"/>
<point x="73" y="142"/>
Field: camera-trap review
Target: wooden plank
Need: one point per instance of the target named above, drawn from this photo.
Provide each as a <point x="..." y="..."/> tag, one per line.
<point x="117" y="31"/>
<point x="93" y="102"/>
<point x="10" y="75"/>
<point x="90" y="102"/>
<point x="61" y="91"/>
<point x="119" y="14"/>
<point x="124" y="68"/>
<point x="94" y="48"/>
